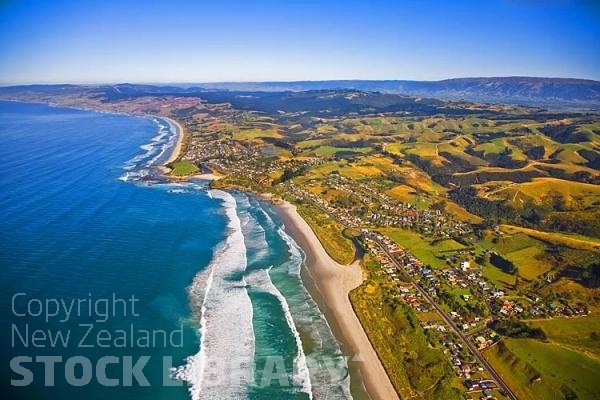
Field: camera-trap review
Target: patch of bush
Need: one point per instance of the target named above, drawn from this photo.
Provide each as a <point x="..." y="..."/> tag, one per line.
<point x="505" y="265"/>
<point x="517" y="329"/>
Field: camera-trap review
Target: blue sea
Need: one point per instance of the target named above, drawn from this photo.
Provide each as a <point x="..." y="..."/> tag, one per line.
<point x="109" y="272"/>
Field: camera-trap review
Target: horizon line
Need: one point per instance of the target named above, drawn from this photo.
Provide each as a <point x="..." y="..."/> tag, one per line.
<point x="126" y="82"/>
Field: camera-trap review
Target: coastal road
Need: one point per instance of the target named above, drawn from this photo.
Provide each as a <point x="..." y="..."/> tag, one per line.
<point x="474" y="350"/>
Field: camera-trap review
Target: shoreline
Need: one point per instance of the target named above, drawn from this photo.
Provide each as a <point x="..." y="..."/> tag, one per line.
<point x="327" y="281"/>
<point x="330" y="283"/>
<point x="176" y="152"/>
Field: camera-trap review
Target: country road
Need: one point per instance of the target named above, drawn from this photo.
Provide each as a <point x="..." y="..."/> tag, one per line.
<point x="509" y="393"/>
<point x="501" y="384"/>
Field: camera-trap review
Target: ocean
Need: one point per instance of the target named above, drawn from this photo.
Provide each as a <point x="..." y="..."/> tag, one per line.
<point x="118" y="284"/>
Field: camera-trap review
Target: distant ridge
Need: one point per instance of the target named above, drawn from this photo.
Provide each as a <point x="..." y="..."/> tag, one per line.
<point x="545" y="92"/>
<point x="556" y="93"/>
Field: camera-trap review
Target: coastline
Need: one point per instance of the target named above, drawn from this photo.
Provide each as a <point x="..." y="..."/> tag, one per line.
<point x="176" y="152"/>
<point x="332" y="282"/>
<point x="328" y="281"/>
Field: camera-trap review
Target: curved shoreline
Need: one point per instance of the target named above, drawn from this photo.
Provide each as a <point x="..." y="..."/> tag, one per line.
<point x="331" y="283"/>
<point x="178" y="147"/>
<point x="176" y="153"/>
<point x="175" y="150"/>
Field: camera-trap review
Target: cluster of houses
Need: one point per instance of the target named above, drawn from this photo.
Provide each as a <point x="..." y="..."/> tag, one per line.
<point x="343" y="215"/>
<point x="431" y="222"/>
<point x="532" y="306"/>
<point x="458" y="356"/>
<point x="460" y="273"/>
<point x="380" y="210"/>
<point x="472" y="373"/>
<point x="390" y="212"/>
<point x="483" y="385"/>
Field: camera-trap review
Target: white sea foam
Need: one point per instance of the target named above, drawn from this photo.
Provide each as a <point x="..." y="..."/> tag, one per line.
<point x="308" y="314"/>
<point x="261" y="280"/>
<point x="268" y="218"/>
<point x="154" y="151"/>
<point x="295" y="252"/>
<point x="124" y="177"/>
<point x="254" y="233"/>
<point x="226" y="328"/>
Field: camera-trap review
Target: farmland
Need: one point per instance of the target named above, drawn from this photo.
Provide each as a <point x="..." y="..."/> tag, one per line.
<point x="531" y="367"/>
<point x="487" y="213"/>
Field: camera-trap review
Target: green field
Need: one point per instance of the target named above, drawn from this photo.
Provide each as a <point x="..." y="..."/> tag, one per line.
<point x="582" y="334"/>
<point x="329" y="150"/>
<point x="183" y="168"/>
<point x="416" y="368"/>
<point x="524" y="251"/>
<point x="537" y="370"/>
<point x="246" y="134"/>
<point x="499" y="278"/>
<point x="433" y="254"/>
<point x="567" y="239"/>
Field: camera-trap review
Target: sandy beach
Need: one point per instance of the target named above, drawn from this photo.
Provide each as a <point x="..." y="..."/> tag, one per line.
<point x="178" y="145"/>
<point x="332" y="282"/>
<point x="176" y="153"/>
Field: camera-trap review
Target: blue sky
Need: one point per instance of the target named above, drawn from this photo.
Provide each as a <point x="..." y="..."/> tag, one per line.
<point x="201" y="41"/>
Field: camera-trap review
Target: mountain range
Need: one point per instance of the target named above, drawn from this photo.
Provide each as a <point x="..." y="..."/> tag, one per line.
<point x="545" y="92"/>
<point x="555" y="93"/>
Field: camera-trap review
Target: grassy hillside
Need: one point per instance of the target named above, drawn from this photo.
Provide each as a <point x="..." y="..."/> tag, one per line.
<point x="330" y="234"/>
<point x="511" y="189"/>
<point x="415" y="363"/>
<point x="183" y="168"/>
<point x="580" y="334"/>
<point x="537" y="370"/>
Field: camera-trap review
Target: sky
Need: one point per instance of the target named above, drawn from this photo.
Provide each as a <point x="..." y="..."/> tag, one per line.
<point x="179" y="41"/>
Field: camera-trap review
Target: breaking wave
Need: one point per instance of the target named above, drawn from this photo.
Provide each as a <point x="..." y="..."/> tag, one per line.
<point x="223" y="365"/>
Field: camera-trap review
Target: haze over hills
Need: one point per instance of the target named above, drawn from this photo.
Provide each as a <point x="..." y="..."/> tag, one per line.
<point x="488" y="212"/>
<point x="547" y="92"/>
<point x="383" y="200"/>
<point x="530" y="91"/>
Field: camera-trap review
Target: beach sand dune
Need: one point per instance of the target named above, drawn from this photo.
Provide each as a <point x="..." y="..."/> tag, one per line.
<point x="332" y="282"/>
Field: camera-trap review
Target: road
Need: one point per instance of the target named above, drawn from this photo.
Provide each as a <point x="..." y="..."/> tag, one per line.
<point x="474" y="350"/>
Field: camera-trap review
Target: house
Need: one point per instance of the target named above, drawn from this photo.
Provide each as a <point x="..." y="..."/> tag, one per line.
<point x="466" y="368"/>
<point x="471" y="385"/>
